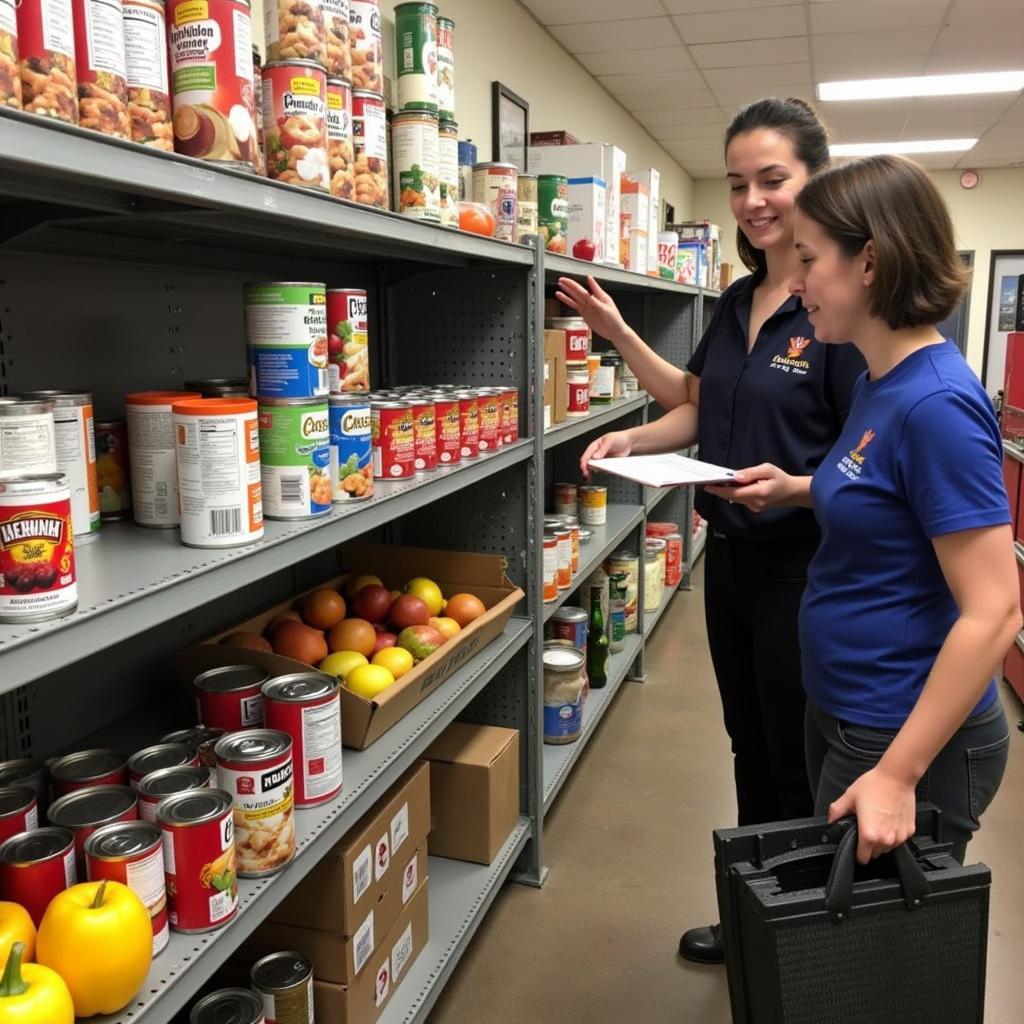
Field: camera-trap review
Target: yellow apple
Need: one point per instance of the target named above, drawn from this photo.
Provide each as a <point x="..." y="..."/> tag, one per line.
<point x="445" y="626"/>
<point x="428" y="592"/>
<point x="397" y="660"/>
<point x="340" y="663"/>
<point x="369" y="680"/>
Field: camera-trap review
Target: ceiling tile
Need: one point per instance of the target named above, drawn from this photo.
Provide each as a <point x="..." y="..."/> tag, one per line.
<point x="690" y="132"/>
<point x="562" y="12"/>
<point x="978" y="48"/>
<point x="664" y="58"/>
<point x="933" y="124"/>
<point x="730" y="99"/>
<point x="707" y="6"/>
<point x="660" y="118"/>
<point x="652" y="81"/>
<point x="867" y="66"/>
<point x="886" y="124"/>
<point x="875" y="15"/>
<point x="767" y="76"/>
<point x="985" y="12"/>
<point x="693" y="99"/>
<point x="634" y="34"/>
<point x="850" y="46"/>
<point x="760" y="23"/>
<point x="738" y="55"/>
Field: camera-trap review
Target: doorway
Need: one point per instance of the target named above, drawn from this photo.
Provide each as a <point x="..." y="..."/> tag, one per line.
<point x="1006" y="266"/>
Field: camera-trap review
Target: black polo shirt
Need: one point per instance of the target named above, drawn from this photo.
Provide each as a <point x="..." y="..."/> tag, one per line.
<point x="784" y="402"/>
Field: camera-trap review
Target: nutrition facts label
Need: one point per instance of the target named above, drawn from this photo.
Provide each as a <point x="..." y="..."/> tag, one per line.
<point x="58" y="26"/>
<point x="105" y="27"/>
<point x="28" y="444"/>
<point x="321" y="746"/>
<point x="8" y="19"/>
<point x="144" y="49"/>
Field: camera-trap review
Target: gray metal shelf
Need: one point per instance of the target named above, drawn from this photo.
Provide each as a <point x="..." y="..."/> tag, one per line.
<point x="559" y="759"/>
<point x="556" y="266"/>
<point x="460" y="894"/>
<point x="700" y="539"/>
<point x="189" y="961"/>
<point x="621" y="519"/>
<point x="651" y="619"/>
<point x="655" y="496"/>
<point x="598" y="417"/>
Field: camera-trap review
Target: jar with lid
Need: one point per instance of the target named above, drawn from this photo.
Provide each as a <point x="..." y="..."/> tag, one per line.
<point x="654" y="581"/>
<point x="660" y="546"/>
<point x="628" y="382"/>
<point x="602" y="384"/>
<point x="564" y="682"/>
<point x="611" y="362"/>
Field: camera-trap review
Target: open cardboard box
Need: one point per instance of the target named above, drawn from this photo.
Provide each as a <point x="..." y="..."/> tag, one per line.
<point x="362" y="720"/>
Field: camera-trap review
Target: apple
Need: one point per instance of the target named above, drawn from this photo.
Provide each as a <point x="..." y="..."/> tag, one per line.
<point x="409" y="610"/>
<point x="372" y="603"/>
<point x="420" y="641"/>
<point x="584" y="249"/>
<point x="384" y="639"/>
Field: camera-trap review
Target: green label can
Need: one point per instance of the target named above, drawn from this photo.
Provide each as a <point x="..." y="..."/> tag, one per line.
<point x="294" y="458"/>
<point x="416" y="43"/>
<point x="553" y="212"/>
<point x="446" y="68"/>
<point x="414" y="160"/>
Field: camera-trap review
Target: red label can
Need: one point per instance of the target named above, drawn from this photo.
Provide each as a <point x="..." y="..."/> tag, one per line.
<point x="469" y="424"/>
<point x="19" y="811"/>
<point x="161" y="755"/>
<point x="132" y="853"/>
<point x="295" y="122"/>
<point x="509" y="415"/>
<point x="88" y="768"/>
<point x="489" y="414"/>
<point x="200" y="870"/>
<point x="394" y="440"/>
<point x="424" y="421"/>
<point x="159" y="785"/>
<point x="46" y="53"/>
<point x="579" y="395"/>
<point x="201" y="737"/>
<point x="577" y="344"/>
<point x="26" y="772"/>
<point x="145" y="59"/>
<point x="448" y="429"/>
<point x="348" y="340"/>
<point x="86" y="810"/>
<point x="10" y="74"/>
<point x="229" y="697"/>
<point x="307" y="706"/>
<point x="102" y="78"/>
<point x="35" y="866"/>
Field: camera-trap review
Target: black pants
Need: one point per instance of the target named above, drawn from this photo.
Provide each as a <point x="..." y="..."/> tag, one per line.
<point x="752" y="592"/>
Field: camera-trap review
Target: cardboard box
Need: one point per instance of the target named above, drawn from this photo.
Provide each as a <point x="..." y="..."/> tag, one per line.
<point x="369" y="869"/>
<point x="364" y="1000"/>
<point x="690" y="263"/>
<point x="562" y="138"/>
<point x="636" y="201"/>
<point x="474" y="790"/>
<point x="364" y="721"/>
<point x="552" y="309"/>
<point x="638" y="246"/>
<point x="554" y="353"/>
<point x="725" y="277"/>
<point x="586" y="214"/>
<point x="650" y="178"/>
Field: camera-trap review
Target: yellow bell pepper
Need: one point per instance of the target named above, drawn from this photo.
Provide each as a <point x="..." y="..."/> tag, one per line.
<point x="16" y="926"/>
<point x="31" y="994"/>
<point x="99" y="938"/>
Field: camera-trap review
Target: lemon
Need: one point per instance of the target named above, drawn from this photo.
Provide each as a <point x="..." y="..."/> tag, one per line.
<point x="397" y="660"/>
<point x="428" y="592"/>
<point x="369" y="680"/>
<point x="340" y="663"/>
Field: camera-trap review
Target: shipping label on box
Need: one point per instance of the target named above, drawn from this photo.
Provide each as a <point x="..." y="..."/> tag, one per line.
<point x="587" y="214"/>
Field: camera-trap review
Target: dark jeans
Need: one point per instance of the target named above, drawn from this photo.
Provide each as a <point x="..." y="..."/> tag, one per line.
<point x="752" y="592"/>
<point x="961" y="781"/>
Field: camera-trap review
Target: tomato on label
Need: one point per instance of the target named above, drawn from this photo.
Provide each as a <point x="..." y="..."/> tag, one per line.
<point x="475" y="217"/>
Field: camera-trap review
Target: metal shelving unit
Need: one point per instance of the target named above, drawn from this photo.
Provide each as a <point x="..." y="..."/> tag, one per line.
<point x="616" y="277"/>
<point x="653" y="618"/>
<point x="598" y="417"/>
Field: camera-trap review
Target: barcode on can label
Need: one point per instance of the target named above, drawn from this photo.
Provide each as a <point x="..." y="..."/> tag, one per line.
<point x="221" y="905"/>
<point x="291" y="489"/>
<point x="363" y="944"/>
<point x="224" y="521"/>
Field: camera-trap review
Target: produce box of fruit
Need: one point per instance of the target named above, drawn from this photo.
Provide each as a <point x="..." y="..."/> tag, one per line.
<point x="393" y="627"/>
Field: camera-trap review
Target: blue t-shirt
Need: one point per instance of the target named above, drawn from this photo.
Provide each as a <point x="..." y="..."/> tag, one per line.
<point x="920" y="456"/>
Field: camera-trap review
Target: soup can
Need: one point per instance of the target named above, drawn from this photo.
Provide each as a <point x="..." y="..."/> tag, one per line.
<point x="348" y="341"/>
<point x="340" y="155"/>
<point x="200" y="864"/>
<point x="490" y="419"/>
<point x="578" y="382"/>
<point x="231" y="1005"/>
<point x="285" y="980"/>
<point x="113" y="471"/>
<point x="295" y="455"/>
<point x="469" y="423"/>
<point x="366" y="46"/>
<point x="86" y="810"/>
<point x="145" y="62"/>
<point x="99" y="63"/>
<point x="553" y="212"/>
<point x="131" y="853"/>
<point x="593" y="504"/>
<point x="448" y="172"/>
<point x="565" y="499"/>
<point x="416" y="45"/>
<point x="157" y="757"/>
<point x="549" y="571"/>
<point x="46" y="53"/>
<point x="295" y="119"/>
<point x="88" y="768"/>
<point x="35" y="866"/>
<point x="351" y="462"/>
<point x="394" y="440"/>
<point x="19" y="811"/>
<point x="415" y="164"/>
<point x="158" y="785"/>
<point x="569" y="623"/>
<point x="336" y="31"/>
<point x="527" y="222"/>
<point x="25" y="771"/>
<point x="230" y="697"/>
<point x="572" y="524"/>
<point x="294" y="31"/>
<point x="446" y="67"/>
<point x="202" y="737"/>
<point x="424" y="422"/>
<point x="447" y="427"/>
<point x="496" y="186"/>
<point x="28" y="436"/>
<point x="369" y="144"/>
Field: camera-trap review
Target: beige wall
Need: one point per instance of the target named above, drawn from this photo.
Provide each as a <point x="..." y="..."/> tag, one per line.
<point x="988" y="217"/>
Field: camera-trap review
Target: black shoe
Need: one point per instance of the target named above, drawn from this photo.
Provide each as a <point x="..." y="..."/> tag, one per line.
<point x="703" y="945"/>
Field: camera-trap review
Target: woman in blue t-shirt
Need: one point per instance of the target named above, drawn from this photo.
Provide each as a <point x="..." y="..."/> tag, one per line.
<point x="912" y="598"/>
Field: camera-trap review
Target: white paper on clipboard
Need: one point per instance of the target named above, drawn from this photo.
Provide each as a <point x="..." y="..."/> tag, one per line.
<point x="665" y="470"/>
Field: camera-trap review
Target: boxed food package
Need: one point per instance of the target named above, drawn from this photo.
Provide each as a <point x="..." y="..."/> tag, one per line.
<point x="636" y="205"/>
<point x="650" y="178"/>
<point x="363" y="720"/>
<point x="562" y="138"/>
<point x="586" y="214"/>
<point x="364" y="1000"/>
<point x="690" y="263"/>
<point x="474" y="790"/>
<point x="709" y="237"/>
<point x="554" y="355"/>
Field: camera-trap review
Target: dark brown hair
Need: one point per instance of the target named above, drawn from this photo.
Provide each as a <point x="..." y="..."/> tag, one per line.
<point x="798" y="121"/>
<point x="891" y="201"/>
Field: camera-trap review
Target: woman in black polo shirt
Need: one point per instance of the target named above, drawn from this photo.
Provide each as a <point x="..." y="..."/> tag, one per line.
<point x="758" y="388"/>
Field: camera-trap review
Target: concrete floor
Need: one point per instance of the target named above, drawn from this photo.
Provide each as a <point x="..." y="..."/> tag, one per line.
<point x="628" y="848"/>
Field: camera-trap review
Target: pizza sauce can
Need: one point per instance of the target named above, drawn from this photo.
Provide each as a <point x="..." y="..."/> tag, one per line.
<point x="469" y="423"/>
<point x="348" y="340"/>
<point x="447" y="428"/>
<point x="295" y="120"/>
<point x="86" y="810"/>
<point x="307" y="706"/>
<point x="489" y="412"/>
<point x="285" y="981"/>
<point x="19" y="811"/>
<point x="161" y="755"/>
<point x="394" y="440"/>
<point x="230" y="697"/>
<point x="46" y="53"/>
<point x="295" y="455"/>
<point x="35" y="866"/>
<point x="131" y="853"/>
<point x="99" y="62"/>
<point x="87" y="768"/>
<point x="157" y="786"/>
<point x="145" y="59"/>
<point x="255" y="767"/>
<point x="28" y="437"/>
<point x="198" y="833"/>
<point x="509" y="415"/>
<point x="351" y="452"/>
<point x="424" y="423"/>
<point x="340" y="156"/>
<point x="37" y="560"/>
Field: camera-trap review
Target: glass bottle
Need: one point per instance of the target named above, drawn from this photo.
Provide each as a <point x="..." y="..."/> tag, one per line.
<point x="597" y="642"/>
<point x="617" y="587"/>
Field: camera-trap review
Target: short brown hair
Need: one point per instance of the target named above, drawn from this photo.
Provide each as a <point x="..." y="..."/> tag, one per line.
<point x="919" y="277"/>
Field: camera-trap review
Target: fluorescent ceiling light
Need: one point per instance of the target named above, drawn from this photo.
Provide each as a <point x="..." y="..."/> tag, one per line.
<point x="926" y="85"/>
<point x="909" y="146"/>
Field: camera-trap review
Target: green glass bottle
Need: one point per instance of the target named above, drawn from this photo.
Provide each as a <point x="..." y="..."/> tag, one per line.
<point x="597" y="642"/>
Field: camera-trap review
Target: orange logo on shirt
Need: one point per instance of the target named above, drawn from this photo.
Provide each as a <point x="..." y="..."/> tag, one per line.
<point x="865" y="439"/>
<point x="796" y="347"/>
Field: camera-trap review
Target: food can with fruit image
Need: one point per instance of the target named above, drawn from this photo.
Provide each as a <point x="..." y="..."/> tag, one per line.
<point x="218" y="450"/>
<point x="424" y="426"/>
<point x="200" y="865"/>
<point x="255" y="767"/>
<point x="131" y="853"/>
<point x="145" y="59"/>
<point x="100" y="66"/>
<point x="446" y="68"/>
<point x="366" y="46"/>
<point x="286" y="330"/>
<point x="35" y="866"/>
<point x="447" y="428"/>
<point x="294" y="30"/>
<point x="37" y="560"/>
<point x="210" y="50"/>
<point x="336" y="33"/>
<point x="489" y="413"/>
<point x="351" y="453"/>
<point x="370" y="146"/>
<point x="157" y="757"/>
<point x="237" y="1005"/>
<point x="87" y="768"/>
<point x="231" y="697"/>
<point x="469" y="423"/>
<point x="159" y="785"/>
<point x="86" y="810"/>
<point x="202" y="737"/>
<point x="295" y="455"/>
<point x="28" y="436"/>
<point x="448" y="172"/>
<point x="295" y="122"/>
<point x="10" y="73"/>
<point x="394" y="440"/>
<point x="285" y="980"/>
<point x="416" y="43"/>
<point x="553" y="211"/>
<point x="415" y="166"/>
<point x="112" y="470"/>
<point x="46" y="53"/>
<point x="19" y="811"/>
<point x="496" y="186"/>
<point x="340" y="154"/>
<point x="348" y="340"/>
<point x="307" y="706"/>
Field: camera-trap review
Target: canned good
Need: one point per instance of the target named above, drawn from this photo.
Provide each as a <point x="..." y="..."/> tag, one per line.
<point x="564" y="694"/>
<point x="564" y="539"/>
<point x="286" y="329"/>
<point x="627" y="563"/>
<point x="131" y="853"/>
<point x="615" y="361"/>
<point x="414" y="163"/>
<point x="155" y="787"/>
<point x="112" y="470"/>
<point x="549" y="573"/>
<point x="28" y="437"/>
<point x="617" y="592"/>
<point x="285" y="980"/>
<point x="467" y="161"/>
<point x="145" y="63"/>
<point x="46" y="54"/>
<point x="295" y="118"/>
<point x="369" y="140"/>
<point x="578" y="382"/>
<point x="255" y="767"/>
<point x="24" y="771"/>
<point x="37" y="560"/>
<point x="210" y="52"/>
<point x="490" y="417"/>
<point x="200" y="863"/>
<point x="527" y="217"/>
<point x="10" y="73"/>
<point x="365" y="46"/>
<point x="673" y="538"/>
<point x="448" y="172"/>
<point x="294" y="31"/>
<point x="553" y="212"/>
<point x="202" y="737"/>
<point x="218" y="460"/>
<point x="340" y="155"/>
<point x="88" y="768"/>
<point x="157" y="757"/>
<point x="336" y="32"/>
<point x="230" y="697"/>
<point x="86" y="810"/>
<point x="307" y="706"/>
<point x="469" y="423"/>
<point x="100" y="67"/>
<point x="447" y="428"/>
<point x="416" y="46"/>
<point x="446" y="68"/>
<point x="558" y="644"/>
<point x="424" y="427"/>
<point x="570" y="623"/>
<point x="35" y="866"/>
<point x="628" y="382"/>
<point x="19" y="811"/>
<point x="219" y="387"/>
<point x="351" y="447"/>
<point x="348" y="340"/>
<point x="602" y="382"/>
<point x="394" y="440"/>
<point x="577" y="336"/>
<point x="257" y="100"/>
<point x="295" y="454"/>
<point x="510" y="415"/>
<point x="565" y="499"/>
<point x="572" y="524"/>
<point x="654" y="576"/>
<point x="668" y="245"/>
<point x="496" y="186"/>
<point x="593" y="504"/>
<point x="152" y="451"/>
<point x="229" y="1006"/>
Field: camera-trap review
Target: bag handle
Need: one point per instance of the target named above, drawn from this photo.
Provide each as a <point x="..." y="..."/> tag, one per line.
<point x="839" y="887"/>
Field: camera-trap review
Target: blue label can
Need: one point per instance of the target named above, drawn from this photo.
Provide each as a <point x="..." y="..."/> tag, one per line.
<point x="351" y="452"/>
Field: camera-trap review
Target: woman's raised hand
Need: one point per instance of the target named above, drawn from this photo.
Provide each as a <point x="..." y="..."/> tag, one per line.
<point x="595" y="305"/>
<point x="611" y="446"/>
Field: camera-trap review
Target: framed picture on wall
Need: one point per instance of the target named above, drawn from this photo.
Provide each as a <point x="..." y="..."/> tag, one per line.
<point x="510" y="126"/>
<point x="1006" y="266"/>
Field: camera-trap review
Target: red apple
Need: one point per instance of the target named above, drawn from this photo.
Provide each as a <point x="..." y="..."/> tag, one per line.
<point x="373" y="602"/>
<point x="409" y="610"/>
<point x="584" y="249"/>
<point x="384" y="639"/>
